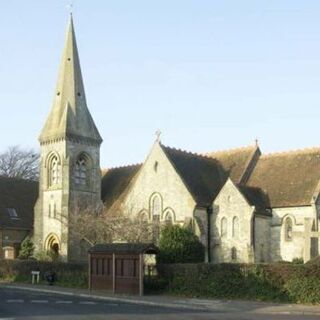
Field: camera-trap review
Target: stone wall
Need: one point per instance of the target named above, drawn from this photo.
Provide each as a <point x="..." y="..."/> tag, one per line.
<point x="229" y="204"/>
<point x="157" y="178"/>
<point x="262" y="238"/>
<point x="54" y="203"/>
<point x="282" y="249"/>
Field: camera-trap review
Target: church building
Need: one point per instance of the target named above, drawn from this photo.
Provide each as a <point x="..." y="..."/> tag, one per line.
<point x="245" y="206"/>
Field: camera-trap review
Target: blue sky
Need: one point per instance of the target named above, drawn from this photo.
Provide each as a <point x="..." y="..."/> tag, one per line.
<point x="210" y="75"/>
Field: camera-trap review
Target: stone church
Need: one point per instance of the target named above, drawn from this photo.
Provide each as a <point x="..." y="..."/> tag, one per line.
<point x="244" y="206"/>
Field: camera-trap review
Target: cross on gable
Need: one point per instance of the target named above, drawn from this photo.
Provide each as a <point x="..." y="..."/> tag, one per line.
<point x="158" y="135"/>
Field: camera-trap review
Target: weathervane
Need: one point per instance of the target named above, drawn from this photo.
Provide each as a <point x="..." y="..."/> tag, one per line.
<point x="158" y="135"/>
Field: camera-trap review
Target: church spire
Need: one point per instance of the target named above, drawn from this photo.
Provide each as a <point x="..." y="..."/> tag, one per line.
<point x="69" y="116"/>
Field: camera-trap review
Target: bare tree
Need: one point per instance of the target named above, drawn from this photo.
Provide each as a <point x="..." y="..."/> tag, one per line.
<point x="19" y="163"/>
<point x="96" y="225"/>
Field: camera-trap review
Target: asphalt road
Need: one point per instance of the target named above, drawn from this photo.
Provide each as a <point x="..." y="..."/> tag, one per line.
<point x="20" y="304"/>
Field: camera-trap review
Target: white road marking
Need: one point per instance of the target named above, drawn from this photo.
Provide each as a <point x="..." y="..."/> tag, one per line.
<point x="87" y="302"/>
<point x="39" y="301"/>
<point x="7" y="318"/>
<point x="15" y="301"/>
<point x="64" y="302"/>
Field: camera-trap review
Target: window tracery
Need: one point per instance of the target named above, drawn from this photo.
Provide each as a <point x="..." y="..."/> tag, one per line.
<point x="81" y="171"/>
<point x="288" y="229"/>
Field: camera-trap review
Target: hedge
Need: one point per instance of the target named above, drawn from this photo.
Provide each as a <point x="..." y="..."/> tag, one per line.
<point x="68" y="274"/>
<point x="268" y="282"/>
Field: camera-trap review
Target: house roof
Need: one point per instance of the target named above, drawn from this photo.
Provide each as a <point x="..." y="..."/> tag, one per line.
<point x="202" y="175"/>
<point x="115" y="181"/>
<point x="236" y="162"/>
<point x="123" y="248"/>
<point x="20" y="195"/>
<point x="289" y="178"/>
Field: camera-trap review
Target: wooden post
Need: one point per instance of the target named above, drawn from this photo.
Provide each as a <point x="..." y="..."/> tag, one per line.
<point x="89" y="271"/>
<point x="113" y="273"/>
<point x="141" y="274"/>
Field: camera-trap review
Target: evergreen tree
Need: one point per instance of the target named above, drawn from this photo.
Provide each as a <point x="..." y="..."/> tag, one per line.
<point x="27" y="248"/>
<point x="179" y="245"/>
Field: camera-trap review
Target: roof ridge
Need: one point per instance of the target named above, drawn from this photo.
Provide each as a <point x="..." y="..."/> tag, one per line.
<point x="201" y="155"/>
<point x="121" y="167"/>
<point x="232" y="149"/>
<point x="289" y="152"/>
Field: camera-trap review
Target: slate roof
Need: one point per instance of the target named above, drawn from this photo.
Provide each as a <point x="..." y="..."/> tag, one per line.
<point x="235" y="161"/>
<point x="256" y="197"/>
<point x="290" y="178"/>
<point x="20" y="195"/>
<point x="203" y="176"/>
<point x="277" y="180"/>
<point x="115" y="181"/>
<point x="122" y="248"/>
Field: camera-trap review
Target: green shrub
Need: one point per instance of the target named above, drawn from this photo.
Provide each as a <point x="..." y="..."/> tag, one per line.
<point x="27" y="248"/>
<point x="47" y="256"/>
<point x="155" y="284"/>
<point x="297" y="260"/>
<point x="228" y="281"/>
<point x="68" y="274"/>
<point x="179" y="245"/>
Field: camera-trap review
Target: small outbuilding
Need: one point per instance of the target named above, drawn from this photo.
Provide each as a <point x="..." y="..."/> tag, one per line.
<point x="118" y="267"/>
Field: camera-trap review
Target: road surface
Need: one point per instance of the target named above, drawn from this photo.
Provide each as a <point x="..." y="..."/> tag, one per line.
<point x="26" y="305"/>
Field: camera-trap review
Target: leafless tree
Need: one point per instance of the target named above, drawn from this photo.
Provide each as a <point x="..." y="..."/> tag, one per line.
<point x="98" y="225"/>
<point x="16" y="162"/>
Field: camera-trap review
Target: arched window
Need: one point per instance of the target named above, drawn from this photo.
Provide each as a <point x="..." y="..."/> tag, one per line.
<point x="168" y="217"/>
<point x="233" y="254"/>
<point x="224" y="230"/>
<point x="156" y="207"/>
<point x="81" y="171"/>
<point x="156" y="211"/>
<point x="288" y="229"/>
<point x="54" y="171"/>
<point x="143" y="216"/>
<point x="235" y="227"/>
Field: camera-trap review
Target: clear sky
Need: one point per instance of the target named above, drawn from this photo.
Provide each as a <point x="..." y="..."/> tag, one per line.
<point x="210" y="74"/>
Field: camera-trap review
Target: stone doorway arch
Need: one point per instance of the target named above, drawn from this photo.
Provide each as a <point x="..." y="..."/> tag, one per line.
<point x="52" y="244"/>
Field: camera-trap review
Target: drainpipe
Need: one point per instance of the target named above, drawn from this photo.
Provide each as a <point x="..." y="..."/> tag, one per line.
<point x="314" y="207"/>
<point x="209" y="212"/>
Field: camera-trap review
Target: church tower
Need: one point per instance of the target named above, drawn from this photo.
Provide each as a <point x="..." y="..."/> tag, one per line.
<point x="70" y="160"/>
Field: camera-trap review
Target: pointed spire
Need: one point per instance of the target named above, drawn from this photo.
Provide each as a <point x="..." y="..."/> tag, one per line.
<point x="69" y="116"/>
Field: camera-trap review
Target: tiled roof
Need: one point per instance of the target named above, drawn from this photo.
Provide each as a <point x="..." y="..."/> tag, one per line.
<point x="115" y="181"/>
<point x="237" y="162"/>
<point x="257" y="198"/>
<point x="123" y="248"/>
<point x="202" y="175"/>
<point x="20" y="195"/>
<point x="290" y="178"/>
